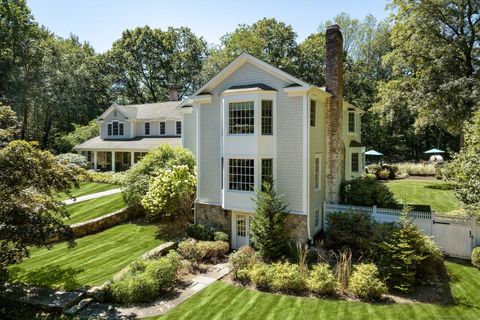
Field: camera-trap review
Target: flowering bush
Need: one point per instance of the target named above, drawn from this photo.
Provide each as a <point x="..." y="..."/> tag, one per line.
<point x="171" y="192"/>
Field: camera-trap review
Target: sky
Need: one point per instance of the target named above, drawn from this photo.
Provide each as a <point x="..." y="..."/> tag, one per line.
<point x="101" y="22"/>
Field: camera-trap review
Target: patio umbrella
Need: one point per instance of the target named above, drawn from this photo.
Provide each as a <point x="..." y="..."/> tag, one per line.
<point x="433" y="151"/>
<point x="373" y="153"/>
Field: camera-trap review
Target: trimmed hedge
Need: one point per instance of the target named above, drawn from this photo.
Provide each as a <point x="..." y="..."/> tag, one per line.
<point x="364" y="282"/>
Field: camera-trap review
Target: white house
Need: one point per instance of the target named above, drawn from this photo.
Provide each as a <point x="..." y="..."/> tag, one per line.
<point x="252" y="121"/>
<point x="128" y="132"/>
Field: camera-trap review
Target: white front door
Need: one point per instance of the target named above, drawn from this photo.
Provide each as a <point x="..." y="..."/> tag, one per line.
<point x="241" y="230"/>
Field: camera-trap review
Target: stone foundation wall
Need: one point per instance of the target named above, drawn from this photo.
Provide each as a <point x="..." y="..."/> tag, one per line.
<point x="213" y="216"/>
<point x="298" y="226"/>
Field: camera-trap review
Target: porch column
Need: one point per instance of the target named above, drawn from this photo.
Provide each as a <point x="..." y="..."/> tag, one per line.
<point x="132" y="158"/>
<point x="95" y="160"/>
<point x="113" y="161"/>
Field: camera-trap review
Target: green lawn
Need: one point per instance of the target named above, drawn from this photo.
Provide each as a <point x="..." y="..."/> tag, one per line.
<point x="94" y="208"/>
<point x="223" y="301"/>
<point x="424" y="192"/>
<point x="88" y="188"/>
<point x="95" y="258"/>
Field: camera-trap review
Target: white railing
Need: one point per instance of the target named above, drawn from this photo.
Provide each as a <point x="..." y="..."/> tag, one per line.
<point x="457" y="236"/>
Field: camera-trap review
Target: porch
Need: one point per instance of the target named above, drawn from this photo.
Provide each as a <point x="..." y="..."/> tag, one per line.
<point x="122" y="160"/>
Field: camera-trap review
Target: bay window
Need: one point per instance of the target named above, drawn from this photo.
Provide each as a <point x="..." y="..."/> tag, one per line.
<point x="241" y="117"/>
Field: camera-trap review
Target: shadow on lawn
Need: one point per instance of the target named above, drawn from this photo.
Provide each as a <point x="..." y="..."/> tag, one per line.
<point x="52" y="276"/>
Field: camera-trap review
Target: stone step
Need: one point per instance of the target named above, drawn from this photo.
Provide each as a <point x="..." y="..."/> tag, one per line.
<point x="48" y="298"/>
<point x="75" y="309"/>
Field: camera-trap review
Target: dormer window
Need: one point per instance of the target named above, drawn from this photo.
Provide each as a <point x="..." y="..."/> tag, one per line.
<point x="115" y="128"/>
<point x="241" y="118"/>
<point x="162" y="127"/>
<point x="147" y="128"/>
<point x="179" y="127"/>
<point x="109" y="129"/>
<point x="351" y="121"/>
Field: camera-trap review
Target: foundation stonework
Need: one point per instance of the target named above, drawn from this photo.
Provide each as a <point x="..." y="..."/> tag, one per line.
<point x="297" y="225"/>
<point x="213" y="216"/>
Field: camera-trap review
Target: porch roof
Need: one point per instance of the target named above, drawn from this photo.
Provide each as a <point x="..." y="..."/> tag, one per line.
<point x="134" y="144"/>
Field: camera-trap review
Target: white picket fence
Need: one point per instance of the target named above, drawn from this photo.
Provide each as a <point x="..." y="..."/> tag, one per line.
<point x="456" y="236"/>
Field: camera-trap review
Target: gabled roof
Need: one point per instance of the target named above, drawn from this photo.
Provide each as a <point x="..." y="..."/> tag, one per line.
<point x="160" y="110"/>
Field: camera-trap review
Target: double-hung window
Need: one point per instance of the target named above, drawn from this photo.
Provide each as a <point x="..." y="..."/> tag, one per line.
<point x="115" y="128"/>
<point x="179" y="127"/>
<point x="316" y="173"/>
<point x="162" y="127"/>
<point x="121" y="128"/>
<point x="241" y="174"/>
<point x="313" y="112"/>
<point x="267" y="117"/>
<point x="147" y="128"/>
<point x="317" y="217"/>
<point x="241" y="117"/>
<point x="267" y="171"/>
<point x="355" y="162"/>
<point x="109" y="129"/>
<point x="351" y="121"/>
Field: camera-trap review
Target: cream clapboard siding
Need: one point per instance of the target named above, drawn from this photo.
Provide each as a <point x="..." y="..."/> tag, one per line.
<point x="110" y="117"/>
<point x="289" y="139"/>
<point x="170" y="128"/>
<point x="189" y="127"/>
<point x="317" y="146"/>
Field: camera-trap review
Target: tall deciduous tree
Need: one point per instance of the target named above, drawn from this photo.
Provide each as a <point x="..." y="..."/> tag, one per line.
<point x="435" y="61"/>
<point x="144" y="63"/>
<point x="8" y="125"/>
<point x="29" y="212"/>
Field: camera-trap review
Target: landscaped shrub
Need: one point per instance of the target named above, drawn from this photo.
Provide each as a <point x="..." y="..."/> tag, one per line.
<point x="365" y="191"/>
<point x="145" y="280"/>
<point x="321" y="279"/>
<point x="364" y="282"/>
<point x="287" y="277"/>
<point x="171" y="192"/>
<point x="190" y="250"/>
<point x="221" y="236"/>
<point x="352" y="228"/>
<point x="383" y="174"/>
<point x="476" y="257"/>
<point x="213" y="250"/>
<point x="243" y="259"/>
<point x="200" y="232"/>
<point x="417" y="169"/>
<point x="408" y="256"/>
<point x="136" y="181"/>
<point x="269" y="232"/>
<point x="73" y="159"/>
<point x="261" y="276"/>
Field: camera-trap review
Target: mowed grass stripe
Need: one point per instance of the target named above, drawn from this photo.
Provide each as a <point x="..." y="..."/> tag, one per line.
<point x="95" y="258"/>
<point x="87" y="188"/>
<point x="223" y="301"/>
<point x="94" y="208"/>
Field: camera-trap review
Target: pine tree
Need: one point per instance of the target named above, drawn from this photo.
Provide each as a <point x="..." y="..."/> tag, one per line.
<point x="269" y="232"/>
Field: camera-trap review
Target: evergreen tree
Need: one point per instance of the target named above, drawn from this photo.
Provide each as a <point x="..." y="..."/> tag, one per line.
<point x="269" y="232"/>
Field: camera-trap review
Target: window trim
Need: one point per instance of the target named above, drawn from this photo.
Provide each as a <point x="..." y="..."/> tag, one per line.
<point x="253" y="174"/>
<point x="317" y="175"/>
<point x="176" y="127"/>
<point x="164" y="128"/>
<point x="263" y="117"/>
<point x="145" y="128"/>
<point x="229" y="103"/>
<point x="354" y="122"/>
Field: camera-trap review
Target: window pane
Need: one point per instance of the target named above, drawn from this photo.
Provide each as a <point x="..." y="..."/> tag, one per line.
<point x="241" y="118"/>
<point x="121" y="128"/>
<point x="115" y="128"/>
<point x="267" y="117"/>
<point x="162" y="127"/>
<point x="313" y="112"/>
<point x="267" y="170"/>
<point x="147" y="127"/>
<point x="355" y="165"/>
<point x="351" y="122"/>
<point x="241" y="174"/>
<point x="109" y="129"/>
<point x="179" y="127"/>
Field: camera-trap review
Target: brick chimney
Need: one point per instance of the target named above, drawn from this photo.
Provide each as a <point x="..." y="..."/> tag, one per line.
<point x="334" y="114"/>
<point x="173" y="93"/>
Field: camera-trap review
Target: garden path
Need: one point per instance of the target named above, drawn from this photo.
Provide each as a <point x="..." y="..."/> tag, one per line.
<point x="91" y="196"/>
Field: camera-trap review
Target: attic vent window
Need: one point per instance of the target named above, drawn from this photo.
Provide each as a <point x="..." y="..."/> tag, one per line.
<point x="115" y="113"/>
